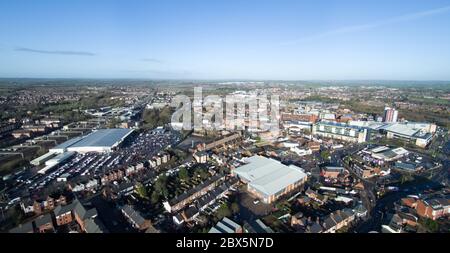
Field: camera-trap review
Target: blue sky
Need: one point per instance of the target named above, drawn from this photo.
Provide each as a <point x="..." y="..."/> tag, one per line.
<point x="226" y="39"/>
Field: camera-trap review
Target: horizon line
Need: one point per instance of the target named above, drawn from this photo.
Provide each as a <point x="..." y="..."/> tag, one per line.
<point x="228" y="79"/>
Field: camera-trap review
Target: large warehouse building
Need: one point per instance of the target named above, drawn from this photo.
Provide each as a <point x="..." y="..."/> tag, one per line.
<point x="419" y="133"/>
<point x="269" y="179"/>
<point x="103" y="140"/>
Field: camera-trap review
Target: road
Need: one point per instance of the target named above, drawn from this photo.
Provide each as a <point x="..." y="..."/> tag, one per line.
<point x="368" y="197"/>
<point x="378" y="213"/>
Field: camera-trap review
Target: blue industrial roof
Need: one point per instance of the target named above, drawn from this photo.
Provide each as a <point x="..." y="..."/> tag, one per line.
<point x="341" y="125"/>
<point x="68" y="143"/>
<point x="103" y="138"/>
<point x="98" y="138"/>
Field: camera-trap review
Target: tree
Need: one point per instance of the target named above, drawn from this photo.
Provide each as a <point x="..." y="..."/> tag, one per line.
<point x="223" y="211"/>
<point x="161" y="186"/>
<point x="306" y="131"/>
<point x="203" y="230"/>
<point x="165" y="116"/>
<point x="155" y="197"/>
<point x="201" y="173"/>
<point x="154" y="117"/>
<point x="431" y="225"/>
<point x="405" y="178"/>
<point x="141" y="191"/>
<point x="325" y="155"/>
<point x="223" y="170"/>
<point x="235" y="208"/>
<point x="183" y="174"/>
<point x="150" y="118"/>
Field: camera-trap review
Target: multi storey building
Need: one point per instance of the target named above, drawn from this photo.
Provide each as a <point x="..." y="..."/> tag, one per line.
<point x="390" y="115"/>
<point x="342" y="132"/>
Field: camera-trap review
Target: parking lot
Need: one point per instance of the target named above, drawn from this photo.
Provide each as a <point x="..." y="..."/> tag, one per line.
<point x="148" y="144"/>
<point x="139" y="149"/>
<point x="249" y="208"/>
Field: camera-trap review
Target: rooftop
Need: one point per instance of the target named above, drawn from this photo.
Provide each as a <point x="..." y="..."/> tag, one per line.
<point x="268" y="175"/>
<point x="334" y="169"/>
<point x="358" y="128"/>
<point x="98" y="138"/>
<point x="43" y="220"/>
<point x="94" y="226"/>
<point x="197" y="188"/>
<point x="225" y="226"/>
<point x="133" y="215"/>
<point x="403" y="129"/>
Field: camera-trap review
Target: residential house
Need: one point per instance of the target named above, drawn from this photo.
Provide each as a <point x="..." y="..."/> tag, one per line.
<point x="314" y="228"/>
<point x="316" y="196"/>
<point x="44" y="224"/>
<point x="218" y="158"/>
<point x="94" y="226"/>
<point x="332" y="172"/>
<point x="366" y="171"/>
<point x="299" y="221"/>
<point x="190" y="213"/>
<point x="433" y="208"/>
<point x="186" y="198"/>
<point x="226" y="226"/>
<point x="409" y="202"/>
<point x="64" y="214"/>
<point x="338" y="220"/>
<point x="201" y="157"/>
<point x="135" y="218"/>
<point x="395" y="225"/>
<point x="77" y="212"/>
<point x="360" y="211"/>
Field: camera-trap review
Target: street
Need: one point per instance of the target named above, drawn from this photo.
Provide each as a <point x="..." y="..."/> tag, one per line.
<point x="378" y="213"/>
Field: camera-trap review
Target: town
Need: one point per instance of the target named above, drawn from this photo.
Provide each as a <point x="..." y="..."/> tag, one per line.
<point x="106" y="157"/>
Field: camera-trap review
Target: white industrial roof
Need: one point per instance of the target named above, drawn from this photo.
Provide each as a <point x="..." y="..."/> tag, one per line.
<point x="404" y="129"/>
<point x="268" y="175"/>
<point x="379" y="149"/>
<point x="369" y="124"/>
<point x="386" y="153"/>
<point x="46" y="168"/>
<point x="400" y="151"/>
<point x="60" y="158"/>
<point x="44" y="157"/>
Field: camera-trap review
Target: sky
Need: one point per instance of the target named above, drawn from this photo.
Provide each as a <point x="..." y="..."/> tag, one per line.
<point x="226" y="39"/>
